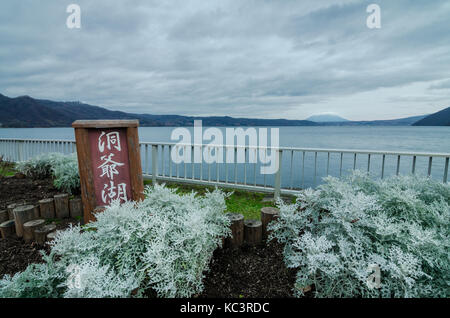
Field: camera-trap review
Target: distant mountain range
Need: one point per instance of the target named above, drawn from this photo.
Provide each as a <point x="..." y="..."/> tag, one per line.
<point x="441" y="118"/>
<point x="326" y="118"/>
<point x="25" y="111"/>
<point x="408" y="121"/>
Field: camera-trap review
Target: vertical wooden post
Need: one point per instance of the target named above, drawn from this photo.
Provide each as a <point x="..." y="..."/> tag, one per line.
<point x="84" y="169"/>
<point x="76" y="207"/>
<point x="252" y="232"/>
<point x="62" y="206"/>
<point x="10" y="209"/>
<point x="40" y="233"/>
<point x="134" y="157"/>
<point x="268" y="214"/>
<point x="29" y="228"/>
<point x="47" y="208"/>
<point x="237" y="230"/>
<point x="7" y="229"/>
<point x="22" y="214"/>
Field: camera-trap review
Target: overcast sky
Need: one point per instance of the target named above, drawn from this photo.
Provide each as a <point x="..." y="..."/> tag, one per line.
<point x="242" y="58"/>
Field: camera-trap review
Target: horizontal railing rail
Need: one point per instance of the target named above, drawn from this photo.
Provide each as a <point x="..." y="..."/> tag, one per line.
<point x="298" y="167"/>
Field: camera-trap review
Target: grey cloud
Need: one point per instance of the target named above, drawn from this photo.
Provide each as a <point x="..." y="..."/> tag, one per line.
<point x="239" y="58"/>
<point x="442" y="85"/>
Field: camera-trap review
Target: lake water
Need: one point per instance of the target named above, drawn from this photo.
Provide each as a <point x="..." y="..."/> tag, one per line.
<point x="404" y="138"/>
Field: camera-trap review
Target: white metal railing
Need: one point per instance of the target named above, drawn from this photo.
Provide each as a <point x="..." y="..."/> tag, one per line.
<point x="24" y="149"/>
<point x="299" y="167"/>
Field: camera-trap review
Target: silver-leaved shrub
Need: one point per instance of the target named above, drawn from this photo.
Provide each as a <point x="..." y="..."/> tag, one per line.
<point x="65" y="174"/>
<point x="63" y="169"/>
<point x="338" y="234"/>
<point x="162" y="245"/>
<point x="40" y="166"/>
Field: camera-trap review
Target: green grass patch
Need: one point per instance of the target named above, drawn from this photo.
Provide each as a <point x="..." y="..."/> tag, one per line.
<point x="6" y="168"/>
<point x="247" y="203"/>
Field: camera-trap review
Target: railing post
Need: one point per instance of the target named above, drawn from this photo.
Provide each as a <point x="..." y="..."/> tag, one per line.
<point x="20" y="153"/>
<point x="278" y="176"/>
<point x="430" y="164"/>
<point x="315" y="167"/>
<point x="154" y="163"/>
<point x="446" y="170"/>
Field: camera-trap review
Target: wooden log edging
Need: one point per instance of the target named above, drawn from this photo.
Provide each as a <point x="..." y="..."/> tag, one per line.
<point x="29" y="228"/>
<point x="16" y="215"/>
<point x="41" y="233"/>
<point x="51" y="236"/>
<point x="268" y="214"/>
<point x="10" y="209"/>
<point x="23" y="214"/>
<point x="47" y="208"/>
<point x="37" y="212"/>
<point x="253" y="232"/>
<point x="7" y="229"/>
<point x="237" y="230"/>
<point x="62" y="205"/>
<point x="76" y="207"/>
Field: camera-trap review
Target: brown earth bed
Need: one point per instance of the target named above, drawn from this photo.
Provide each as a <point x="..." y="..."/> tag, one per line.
<point x="25" y="190"/>
<point x="249" y="272"/>
<point x="16" y="255"/>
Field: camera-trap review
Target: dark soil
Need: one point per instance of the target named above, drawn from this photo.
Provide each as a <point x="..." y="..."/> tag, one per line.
<point x="16" y="255"/>
<point x="249" y="272"/>
<point x="25" y="190"/>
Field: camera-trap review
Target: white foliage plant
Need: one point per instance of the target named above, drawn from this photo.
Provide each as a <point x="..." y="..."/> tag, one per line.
<point x="160" y="246"/>
<point x="335" y="234"/>
<point x="63" y="169"/>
